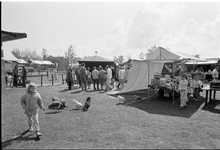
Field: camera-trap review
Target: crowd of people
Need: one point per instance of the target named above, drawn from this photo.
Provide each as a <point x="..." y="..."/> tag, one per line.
<point x="101" y="78"/>
<point x="187" y="85"/>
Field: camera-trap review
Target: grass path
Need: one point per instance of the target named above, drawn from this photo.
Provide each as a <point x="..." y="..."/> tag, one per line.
<point x="145" y="124"/>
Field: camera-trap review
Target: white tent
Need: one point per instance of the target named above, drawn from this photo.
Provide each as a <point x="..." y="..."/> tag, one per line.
<point x="143" y="71"/>
<point x="41" y="62"/>
<point x="141" y="74"/>
<point x="21" y="61"/>
<point x="8" y="56"/>
<point x="163" y="54"/>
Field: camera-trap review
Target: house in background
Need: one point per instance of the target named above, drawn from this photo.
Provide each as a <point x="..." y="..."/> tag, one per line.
<point x="60" y="62"/>
<point x="91" y="61"/>
<point x="5" y="37"/>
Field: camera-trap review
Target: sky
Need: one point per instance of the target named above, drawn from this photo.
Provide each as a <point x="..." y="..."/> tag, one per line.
<point x="114" y="28"/>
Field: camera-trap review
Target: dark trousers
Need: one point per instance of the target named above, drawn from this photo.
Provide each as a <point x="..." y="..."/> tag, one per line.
<point x="15" y="81"/>
<point x="79" y="80"/>
<point x="83" y="82"/>
<point x="96" y="82"/>
<point x="24" y="80"/>
<point x="69" y="85"/>
<point x="196" y="93"/>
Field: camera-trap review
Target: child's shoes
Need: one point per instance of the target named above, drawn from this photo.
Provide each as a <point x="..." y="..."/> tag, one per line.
<point x="38" y="133"/>
<point x="30" y="129"/>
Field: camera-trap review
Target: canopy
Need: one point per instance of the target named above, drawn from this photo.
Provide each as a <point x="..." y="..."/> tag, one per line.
<point x="141" y="74"/>
<point x="8" y="56"/>
<point x="40" y="62"/>
<point x="163" y="54"/>
<point x="9" y="36"/>
<point x="21" y="61"/>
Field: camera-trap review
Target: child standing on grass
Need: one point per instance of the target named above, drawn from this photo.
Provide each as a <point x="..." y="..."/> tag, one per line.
<point x="183" y="91"/>
<point x="196" y="88"/>
<point x="31" y="101"/>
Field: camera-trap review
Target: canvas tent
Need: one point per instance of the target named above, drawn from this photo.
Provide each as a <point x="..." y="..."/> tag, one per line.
<point x="143" y="71"/>
<point x="141" y="75"/>
<point x="8" y="56"/>
<point x="164" y="54"/>
<point x="41" y="62"/>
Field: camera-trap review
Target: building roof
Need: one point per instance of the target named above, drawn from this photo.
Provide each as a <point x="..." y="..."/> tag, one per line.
<point x="9" y="36"/>
<point x="95" y="58"/>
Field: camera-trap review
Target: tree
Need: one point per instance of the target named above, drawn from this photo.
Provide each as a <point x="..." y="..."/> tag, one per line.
<point x="44" y="54"/>
<point x="142" y="55"/>
<point x="151" y="51"/>
<point x="17" y="53"/>
<point x="28" y="54"/>
<point x="119" y="59"/>
<point x="70" y="54"/>
<point x="76" y="59"/>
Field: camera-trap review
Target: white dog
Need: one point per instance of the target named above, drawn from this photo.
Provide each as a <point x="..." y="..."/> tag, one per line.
<point x="121" y="99"/>
<point x="78" y="104"/>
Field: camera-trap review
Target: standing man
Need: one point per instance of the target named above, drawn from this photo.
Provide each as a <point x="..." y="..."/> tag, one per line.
<point x="95" y="78"/>
<point x="101" y="77"/>
<point x="113" y="76"/>
<point x="108" y="78"/>
<point x="121" y="77"/>
<point x="77" y="73"/>
<point x="83" y="77"/>
<point x="15" y="75"/>
<point x="69" y="78"/>
<point x="24" y="75"/>
<point x="215" y="73"/>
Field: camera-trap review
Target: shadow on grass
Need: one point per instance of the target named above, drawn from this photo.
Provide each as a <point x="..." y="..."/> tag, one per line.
<point x="165" y="106"/>
<point x="76" y="92"/>
<point x="213" y="106"/>
<point x="64" y="90"/>
<point x="52" y="112"/>
<point x="20" y="137"/>
<point x="75" y="109"/>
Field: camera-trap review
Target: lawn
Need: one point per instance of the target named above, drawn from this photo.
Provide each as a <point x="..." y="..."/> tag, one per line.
<point x="151" y="123"/>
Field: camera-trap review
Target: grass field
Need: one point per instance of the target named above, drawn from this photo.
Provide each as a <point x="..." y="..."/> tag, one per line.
<point x="152" y="123"/>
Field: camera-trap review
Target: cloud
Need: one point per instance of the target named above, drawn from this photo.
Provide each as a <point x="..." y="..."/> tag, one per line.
<point x="56" y="50"/>
<point x="147" y="28"/>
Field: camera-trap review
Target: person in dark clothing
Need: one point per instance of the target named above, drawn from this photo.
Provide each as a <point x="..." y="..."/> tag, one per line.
<point x="69" y="78"/>
<point x="24" y="76"/>
<point x="15" y="75"/>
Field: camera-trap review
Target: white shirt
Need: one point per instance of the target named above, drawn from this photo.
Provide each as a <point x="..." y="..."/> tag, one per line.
<point x="121" y="74"/>
<point x="109" y="73"/>
<point x="183" y="84"/>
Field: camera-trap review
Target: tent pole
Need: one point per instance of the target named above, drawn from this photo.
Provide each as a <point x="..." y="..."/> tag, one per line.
<point x="173" y="82"/>
<point x="148" y="79"/>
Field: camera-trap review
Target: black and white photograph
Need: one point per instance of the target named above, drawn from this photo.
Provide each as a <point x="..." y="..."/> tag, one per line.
<point x="110" y="74"/>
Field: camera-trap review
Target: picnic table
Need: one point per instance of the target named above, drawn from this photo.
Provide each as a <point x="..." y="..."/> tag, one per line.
<point x="209" y="90"/>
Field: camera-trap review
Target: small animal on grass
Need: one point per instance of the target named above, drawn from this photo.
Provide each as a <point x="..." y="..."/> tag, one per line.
<point x="57" y="104"/>
<point x="78" y="104"/>
<point x="121" y="99"/>
<point x="87" y="104"/>
<point x="138" y="98"/>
